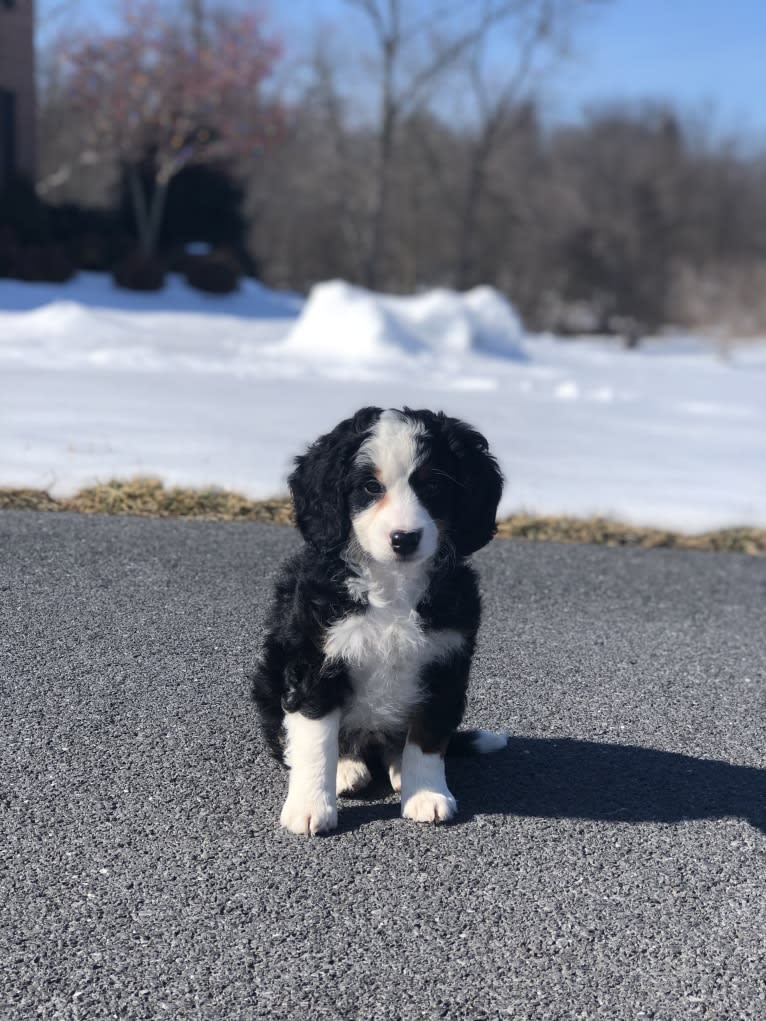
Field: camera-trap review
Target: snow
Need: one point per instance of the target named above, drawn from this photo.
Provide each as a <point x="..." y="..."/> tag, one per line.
<point x="343" y="327"/>
<point x="98" y="383"/>
<point x="96" y="290"/>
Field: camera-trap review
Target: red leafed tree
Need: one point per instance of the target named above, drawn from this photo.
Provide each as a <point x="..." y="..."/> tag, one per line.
<point x="162" y="93"/>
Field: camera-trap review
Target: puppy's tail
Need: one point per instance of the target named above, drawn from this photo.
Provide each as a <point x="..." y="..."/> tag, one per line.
<point x="476" y="742"/>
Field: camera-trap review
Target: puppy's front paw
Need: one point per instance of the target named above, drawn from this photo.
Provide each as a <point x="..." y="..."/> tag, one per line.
<point x="429" y="806"/>
<point x="309" y="816"/>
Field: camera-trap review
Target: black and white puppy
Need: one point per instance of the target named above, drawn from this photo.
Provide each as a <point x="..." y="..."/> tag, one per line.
<point x="374" y="621"/>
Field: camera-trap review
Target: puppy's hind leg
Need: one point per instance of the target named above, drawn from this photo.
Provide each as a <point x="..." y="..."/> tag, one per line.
<point x="352" y="775"/>
<point x="392" y="759"/>
<point x="312" y="754"/>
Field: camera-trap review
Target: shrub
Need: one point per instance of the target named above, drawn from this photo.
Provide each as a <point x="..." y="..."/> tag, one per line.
<point x="50" y="264"/>
<point x="94" y="236"/>
<point x="217" y="273"/>
<point x="139" y="272"/>
<point x="90" y="239"/>
<point x="7" y="257"/>
<point x="7" y="236"/>
<point x="99" y="253"/>
<point x="23" y="214"/>
<point x="204" y="203"/>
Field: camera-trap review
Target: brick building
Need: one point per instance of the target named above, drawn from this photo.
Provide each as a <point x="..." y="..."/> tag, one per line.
<point x="17" y="89"/>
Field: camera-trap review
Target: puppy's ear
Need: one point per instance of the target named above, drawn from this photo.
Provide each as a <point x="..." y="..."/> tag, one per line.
<point x="480" y="484"/>
<point x="318" y="482"/>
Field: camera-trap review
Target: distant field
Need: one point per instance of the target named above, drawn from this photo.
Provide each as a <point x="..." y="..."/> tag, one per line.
<point x="207" y="393"/>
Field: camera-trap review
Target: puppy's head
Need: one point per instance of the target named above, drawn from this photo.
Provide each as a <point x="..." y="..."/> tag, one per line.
<point x="402" y="482"/>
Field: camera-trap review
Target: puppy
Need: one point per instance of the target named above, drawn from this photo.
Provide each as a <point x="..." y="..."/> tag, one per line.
<point x="374" y="621"/>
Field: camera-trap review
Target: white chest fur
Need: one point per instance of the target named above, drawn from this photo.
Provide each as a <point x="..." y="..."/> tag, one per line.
<point x="386" y="648"/>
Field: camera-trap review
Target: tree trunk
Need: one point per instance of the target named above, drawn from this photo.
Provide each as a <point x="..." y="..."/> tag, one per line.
<point x="148" y="214"/>
<point x="469" y="214"/>
<point x="140" y="209"/>
<point x="465" y="267"/>
<point x="380" y="208"/>
<point x="157" y="214"/>
<point x="386" y="140"/>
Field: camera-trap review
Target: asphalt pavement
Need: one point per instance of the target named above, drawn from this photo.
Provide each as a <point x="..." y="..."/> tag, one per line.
<point x="611" y="863"/>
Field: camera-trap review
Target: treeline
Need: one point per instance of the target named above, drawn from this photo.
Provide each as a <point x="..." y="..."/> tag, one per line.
<point x="438" y="170"/>
<point x="629" y="220"/>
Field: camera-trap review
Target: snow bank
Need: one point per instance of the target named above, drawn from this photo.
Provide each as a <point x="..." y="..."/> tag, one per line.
<point x="96" y="290"/>
<point x="343" y="323"/>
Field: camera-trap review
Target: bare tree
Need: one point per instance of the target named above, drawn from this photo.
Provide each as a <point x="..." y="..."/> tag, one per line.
<point x="196" y="14"/>
<point x="306" y="196"/>
<point x="531" y="31"/>
<point x="629" y="170"/>
<point x="144" y="94"/>
<point x="414" y="51"/>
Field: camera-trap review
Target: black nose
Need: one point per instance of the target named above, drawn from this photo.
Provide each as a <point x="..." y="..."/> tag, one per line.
<point x="405" y="543"/>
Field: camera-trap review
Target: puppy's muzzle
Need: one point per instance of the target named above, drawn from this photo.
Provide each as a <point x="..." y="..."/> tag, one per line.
<point x="404" y="544"/>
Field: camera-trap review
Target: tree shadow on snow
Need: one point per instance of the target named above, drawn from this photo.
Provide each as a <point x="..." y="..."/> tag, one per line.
<point x="570" y="779"/>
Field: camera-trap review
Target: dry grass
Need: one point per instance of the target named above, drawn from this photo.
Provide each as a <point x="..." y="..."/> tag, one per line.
<point x="603" y="532"/>
<point x="147" y="497"/>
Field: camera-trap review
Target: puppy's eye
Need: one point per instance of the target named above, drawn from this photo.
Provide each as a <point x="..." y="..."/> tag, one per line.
<point x="429" y="484"/>
<point x="373" y="487"/>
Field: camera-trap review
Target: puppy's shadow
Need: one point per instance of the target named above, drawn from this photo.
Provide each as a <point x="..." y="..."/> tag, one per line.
<point x="570" y="779"/>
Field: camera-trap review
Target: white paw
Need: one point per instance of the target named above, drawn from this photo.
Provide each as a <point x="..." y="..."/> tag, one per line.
<point x="429" y="806"/>
<point x="352" y="776"/>
<point x="300" y="815"/>
<point x="395" y="775"/>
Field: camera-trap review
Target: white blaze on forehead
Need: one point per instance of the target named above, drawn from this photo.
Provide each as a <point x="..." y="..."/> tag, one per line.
<point x="392" y="449"/>
<point x="392" y="452"/>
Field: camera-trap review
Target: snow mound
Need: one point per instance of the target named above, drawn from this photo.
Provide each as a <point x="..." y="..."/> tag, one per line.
<point x="497" y="325"/>
<point x="341" y="322"/>
<point x="453" y="323"/>
<point x="344" y="323"/>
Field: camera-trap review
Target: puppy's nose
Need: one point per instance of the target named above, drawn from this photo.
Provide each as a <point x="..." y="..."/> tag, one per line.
<point x="405" y="543"/>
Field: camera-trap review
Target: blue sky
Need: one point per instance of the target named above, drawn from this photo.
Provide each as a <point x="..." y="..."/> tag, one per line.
<point x="693" y="51"/>
<point x="702" y="54"/>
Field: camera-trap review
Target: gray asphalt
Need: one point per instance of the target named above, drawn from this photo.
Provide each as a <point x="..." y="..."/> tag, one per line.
<point x="611" y="863"/>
